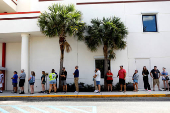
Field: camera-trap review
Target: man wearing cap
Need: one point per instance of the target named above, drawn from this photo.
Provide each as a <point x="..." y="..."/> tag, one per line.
<point x="22" y="81"/>
<point x="155" y="74"/>
<point x="122" y="76"/>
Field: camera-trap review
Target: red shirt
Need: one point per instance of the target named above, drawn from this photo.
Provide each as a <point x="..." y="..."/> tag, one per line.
<point x="122" y="73"/>
<point x="109" y="78"/>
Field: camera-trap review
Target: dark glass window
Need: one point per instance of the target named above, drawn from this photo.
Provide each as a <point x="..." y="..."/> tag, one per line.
<point x="100" y="65"/>
<point x="149" y="23"/>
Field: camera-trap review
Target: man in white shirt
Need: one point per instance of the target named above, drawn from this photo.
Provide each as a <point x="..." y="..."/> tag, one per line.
<point x="97" y="76"/>
<point x="1" y="80"/>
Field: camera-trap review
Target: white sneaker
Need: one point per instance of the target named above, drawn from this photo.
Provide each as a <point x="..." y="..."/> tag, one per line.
<point x="76" y="92"/>
<point x="96" y="91"/>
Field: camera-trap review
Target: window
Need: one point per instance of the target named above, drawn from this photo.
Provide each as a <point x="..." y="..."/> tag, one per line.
<point x="149" y="23"/>
<point x="100" y="64"/>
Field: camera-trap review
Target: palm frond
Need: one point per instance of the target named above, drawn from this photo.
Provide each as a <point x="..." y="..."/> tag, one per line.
<point x="110" y="32"/>
<point x="67" y="47"/>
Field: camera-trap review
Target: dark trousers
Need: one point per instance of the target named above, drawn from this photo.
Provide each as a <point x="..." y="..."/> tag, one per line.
<point x="146" y="83"/>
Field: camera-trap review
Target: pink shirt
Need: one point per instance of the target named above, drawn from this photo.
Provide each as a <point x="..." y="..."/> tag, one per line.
<point x="122" y="73"/>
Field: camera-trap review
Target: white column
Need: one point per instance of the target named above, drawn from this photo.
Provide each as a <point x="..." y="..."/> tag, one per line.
<point x="25" y="58"/>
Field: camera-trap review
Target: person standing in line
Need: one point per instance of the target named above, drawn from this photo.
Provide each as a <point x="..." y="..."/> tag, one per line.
<point x="52" y="77"/>
<point x="56" y="81"/>
<point x="155" y="74"/>
<point x="97" y="76"/>
<point x="43" y="82"/>
<point x="14" y="82"/>
<point x="63" y="79"/>
<point x="76" y="78"/>
<point x="52" y="90"/>
<point x="94" y="79"/>
<point x="122" y="77"/>
<point x="22" y="81"/>
<point x="109" y="80"/>
<point x="1" y="81"/>
<point x="135" y="78"/>
<point x="32" y="79"/>
<point x="145" y="74"/>
<point x="165" y="78"/>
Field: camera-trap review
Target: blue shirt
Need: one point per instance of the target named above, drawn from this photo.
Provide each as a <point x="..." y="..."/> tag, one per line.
<point x="76" y="73"/>
<point x="33" y="78"/>
<point x="164" y="73"/>
<point x="15" y="78"/>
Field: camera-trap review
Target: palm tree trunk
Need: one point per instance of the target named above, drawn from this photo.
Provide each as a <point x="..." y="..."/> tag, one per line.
<point x="105" y="50"/>
<point x="61" y="41"/>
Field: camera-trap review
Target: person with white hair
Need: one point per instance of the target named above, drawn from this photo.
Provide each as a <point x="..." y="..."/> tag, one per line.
<point x="22" y="81"/>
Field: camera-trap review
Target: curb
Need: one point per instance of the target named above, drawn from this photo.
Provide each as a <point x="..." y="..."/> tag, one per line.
<point x="88" y="96"/>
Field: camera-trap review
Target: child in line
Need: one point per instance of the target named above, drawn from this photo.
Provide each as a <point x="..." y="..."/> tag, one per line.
<point x="135" y="80"/>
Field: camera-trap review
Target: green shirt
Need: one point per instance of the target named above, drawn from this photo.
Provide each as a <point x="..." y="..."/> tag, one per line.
<point x="52" y="76"/>
<point x="43" y="77"/>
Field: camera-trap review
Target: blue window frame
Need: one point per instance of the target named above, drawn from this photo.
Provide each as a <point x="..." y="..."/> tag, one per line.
<point x="149" y="23"/>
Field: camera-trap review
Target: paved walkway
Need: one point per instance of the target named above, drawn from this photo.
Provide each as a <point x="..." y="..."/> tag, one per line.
<point x="140" y="93"/>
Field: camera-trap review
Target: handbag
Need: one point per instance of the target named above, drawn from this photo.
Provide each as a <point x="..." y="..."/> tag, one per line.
<point x="167" y="78"/>
<point x="31" y="81"/>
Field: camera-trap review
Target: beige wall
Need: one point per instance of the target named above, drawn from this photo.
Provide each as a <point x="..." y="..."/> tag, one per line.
<point x="23" y="5"/>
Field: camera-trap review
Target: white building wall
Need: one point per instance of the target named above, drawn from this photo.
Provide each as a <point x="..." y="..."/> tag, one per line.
<point x="44" y="56"/>
<point x="45" y="52"/>
<point x="13" y="62"/>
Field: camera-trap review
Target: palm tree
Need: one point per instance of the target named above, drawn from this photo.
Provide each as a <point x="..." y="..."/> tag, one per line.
<point x="60" y="21"/>
<point x="108" y="32"/>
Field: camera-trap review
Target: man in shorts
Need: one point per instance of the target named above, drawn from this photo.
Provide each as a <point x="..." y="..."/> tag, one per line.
<point x="155" y="74"/>
<point x="97" y="76"/>
<point x="15" y="81"/>
<point x="63" y="79"/>
<point x="1" y="81"/>
<point x="22" y="81"/>
<point x="122" y="76"/>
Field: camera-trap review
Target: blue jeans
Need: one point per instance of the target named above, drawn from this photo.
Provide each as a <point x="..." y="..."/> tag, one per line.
<point x="135" y="81"/>
<point x="53" y="82"/>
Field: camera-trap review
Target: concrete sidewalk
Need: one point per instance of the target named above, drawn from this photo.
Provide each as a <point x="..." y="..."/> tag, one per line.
<point x="140" y="93"/>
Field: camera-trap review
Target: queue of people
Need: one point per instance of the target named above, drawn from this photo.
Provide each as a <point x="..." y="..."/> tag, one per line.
<point x="52" y="81"/>
<point x="155" y="74"/>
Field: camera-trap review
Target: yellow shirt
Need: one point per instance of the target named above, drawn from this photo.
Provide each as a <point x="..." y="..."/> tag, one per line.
<point x="52" y="76"/>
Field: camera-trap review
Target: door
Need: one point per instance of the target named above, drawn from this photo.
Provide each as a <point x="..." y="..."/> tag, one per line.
<point x="100" y="64"/>
<point x="139" y="66"/>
